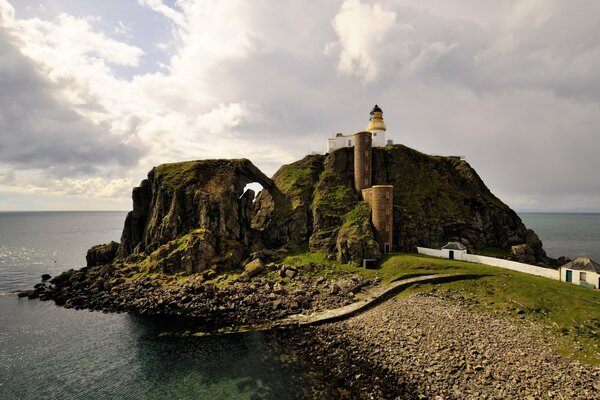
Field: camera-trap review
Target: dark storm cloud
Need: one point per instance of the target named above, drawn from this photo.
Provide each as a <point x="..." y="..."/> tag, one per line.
<point x="38" y="131"/>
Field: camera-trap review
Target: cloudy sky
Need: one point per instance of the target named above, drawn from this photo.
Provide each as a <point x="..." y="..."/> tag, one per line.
<point x="94" y="93"/>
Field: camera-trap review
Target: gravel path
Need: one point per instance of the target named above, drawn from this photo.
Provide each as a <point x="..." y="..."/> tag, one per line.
<point x="426" y="347"/>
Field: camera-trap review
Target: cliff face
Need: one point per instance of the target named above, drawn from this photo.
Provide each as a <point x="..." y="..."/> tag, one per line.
<point x="436" y="200"/>
<point x="187" y="216"/>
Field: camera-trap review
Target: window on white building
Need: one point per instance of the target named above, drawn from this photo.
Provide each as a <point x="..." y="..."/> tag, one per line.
<point x="582" y="276"/>
<point x="349" y="143"/>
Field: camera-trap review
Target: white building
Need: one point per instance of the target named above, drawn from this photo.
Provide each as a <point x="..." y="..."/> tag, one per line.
<point x="454" y="251"/>
<point x="376" y="126"/>
<point x="581" y="271"/>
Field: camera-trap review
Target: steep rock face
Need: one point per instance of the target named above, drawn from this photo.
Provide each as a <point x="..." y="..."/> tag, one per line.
<point x="355" y="240"/>
<point x="202" y="199"/>
<point x="284" y="215"/>
<point x="441" y="199"/>
<point x="436" y="200"/>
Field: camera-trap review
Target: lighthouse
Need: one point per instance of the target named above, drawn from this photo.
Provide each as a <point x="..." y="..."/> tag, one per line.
<point x="377" y="127"/>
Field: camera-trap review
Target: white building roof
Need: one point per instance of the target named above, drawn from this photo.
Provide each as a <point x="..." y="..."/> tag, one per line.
<point x="583" y="264"/>
<point x="454" y="246"/>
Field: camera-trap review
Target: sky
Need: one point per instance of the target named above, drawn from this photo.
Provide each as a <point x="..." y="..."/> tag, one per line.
<point x="93" y="94"/>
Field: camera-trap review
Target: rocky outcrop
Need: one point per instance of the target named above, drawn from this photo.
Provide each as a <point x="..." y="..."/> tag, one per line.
<point x="190" y="215"/>
<point x="102" y="254"/>
<point x="355" y="240"/>
<point x="284" y="217"/>
<point x="436" y="200"/>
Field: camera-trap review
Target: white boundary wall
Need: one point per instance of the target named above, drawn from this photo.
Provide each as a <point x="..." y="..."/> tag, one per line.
<point x="430" y="252"/>
<point x="498" y="262"/>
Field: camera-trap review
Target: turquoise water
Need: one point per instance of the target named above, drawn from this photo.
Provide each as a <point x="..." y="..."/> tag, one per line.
<point x="571" y="235"/>
<point x="48" y="352"/>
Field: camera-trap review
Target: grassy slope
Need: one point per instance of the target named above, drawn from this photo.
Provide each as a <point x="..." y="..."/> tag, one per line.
<point x="570" y="313"/>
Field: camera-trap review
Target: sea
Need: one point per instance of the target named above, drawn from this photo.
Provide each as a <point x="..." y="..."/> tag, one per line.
<point x="49" y="352"/>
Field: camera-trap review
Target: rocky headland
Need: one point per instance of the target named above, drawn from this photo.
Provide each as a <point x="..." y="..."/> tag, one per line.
<point x="198" y="244"/>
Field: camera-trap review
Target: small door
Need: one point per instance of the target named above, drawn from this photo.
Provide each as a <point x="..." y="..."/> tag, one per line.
<point x="569" y="276"/>
<point x="451" y="254"/>
<point x="387" y="247"/>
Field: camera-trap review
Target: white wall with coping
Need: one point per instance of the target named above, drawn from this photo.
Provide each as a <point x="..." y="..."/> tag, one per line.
<point x="590" y="277"/>
<point x="430" y="252"/>
<point x="514" y="266"/>
<point x="498" y="262"/>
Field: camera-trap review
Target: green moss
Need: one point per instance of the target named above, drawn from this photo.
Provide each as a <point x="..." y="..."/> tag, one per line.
<point x="183" y="242"/>
<point x="358" y="215"/>
<point x="333" y="196"/>
<point x="297" y="179"/>
<point x="178" y="175"/>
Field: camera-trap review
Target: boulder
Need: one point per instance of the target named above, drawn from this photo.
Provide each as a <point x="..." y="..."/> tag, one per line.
<point x="254" y="267"/>
<point x="102" y="254"/>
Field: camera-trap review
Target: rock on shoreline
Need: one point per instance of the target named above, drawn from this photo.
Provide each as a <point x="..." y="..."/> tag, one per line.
<point x="238" y="302"/>
<point x="425" y="347"/>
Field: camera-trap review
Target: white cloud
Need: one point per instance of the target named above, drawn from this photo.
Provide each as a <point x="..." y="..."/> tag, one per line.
<point x="363" y="30"/>
<point x="511" y="85"/>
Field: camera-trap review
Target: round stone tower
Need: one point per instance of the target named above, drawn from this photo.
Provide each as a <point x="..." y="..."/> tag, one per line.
<point x="382" y="214"/>
<point x="362" y="161"/>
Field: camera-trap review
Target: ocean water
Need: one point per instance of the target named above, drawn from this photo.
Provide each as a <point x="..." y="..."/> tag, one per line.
<point x="48" y="352"/>
<point x="567" y="234"/>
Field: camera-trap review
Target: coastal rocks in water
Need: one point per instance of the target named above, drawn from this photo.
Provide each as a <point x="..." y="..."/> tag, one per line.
<point x="102" y="254"/>
<point x="206" y="296"/>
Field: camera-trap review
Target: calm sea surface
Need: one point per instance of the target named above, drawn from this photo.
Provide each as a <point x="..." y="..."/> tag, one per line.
<point x="571" y="235"/>
<point x="48" y="352"/>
